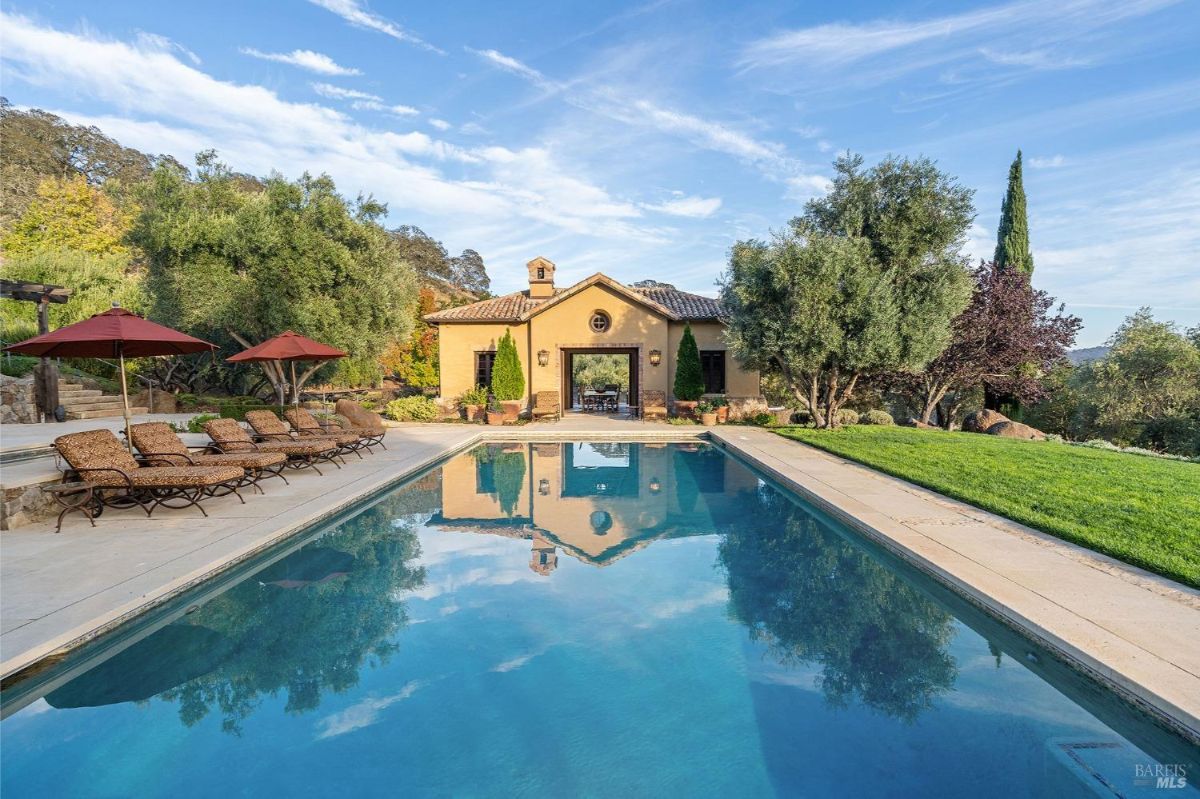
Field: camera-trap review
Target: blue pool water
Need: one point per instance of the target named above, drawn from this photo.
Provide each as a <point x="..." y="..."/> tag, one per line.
<point x="579" y="620"/>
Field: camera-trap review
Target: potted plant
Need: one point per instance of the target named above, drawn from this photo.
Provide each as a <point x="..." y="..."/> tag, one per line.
<point x="508" y="381"/>
<point x="721" y="405"/>
<point x="495" y="412"/>
<point x="689" y="377"/>
<point x="708" y="414"/>
<point x="473" y="403"/>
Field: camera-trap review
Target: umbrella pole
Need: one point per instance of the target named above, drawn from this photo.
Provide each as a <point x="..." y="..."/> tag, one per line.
<point x="125" y="396"/>
<point x="295" y="390"/>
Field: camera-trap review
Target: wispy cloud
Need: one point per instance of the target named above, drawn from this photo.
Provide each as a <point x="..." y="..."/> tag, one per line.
<point x="1029" y="34"/>
<point x="695" y="207"/>
<point x="1048" y="162"/>
<point x="340" y="93"/>
<point x="364" y="713"/>
<point x="163" y="100"/>
<point x="357" y="14"/>
<point x="440" y="124"/>
<point x="304" y="59"/>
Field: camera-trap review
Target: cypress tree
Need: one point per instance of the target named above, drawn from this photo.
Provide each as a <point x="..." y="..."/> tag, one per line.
<point x="508" y="381"/>
<point x="689" y="377"/>
<point x="1012" y="239"/>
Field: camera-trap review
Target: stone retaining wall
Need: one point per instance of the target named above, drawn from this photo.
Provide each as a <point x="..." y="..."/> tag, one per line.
<point x="17" y="402"/>
<point x="24" y="505"/>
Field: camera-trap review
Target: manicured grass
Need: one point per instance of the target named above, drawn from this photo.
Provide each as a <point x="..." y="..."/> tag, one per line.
<point x="1142" y="510"/>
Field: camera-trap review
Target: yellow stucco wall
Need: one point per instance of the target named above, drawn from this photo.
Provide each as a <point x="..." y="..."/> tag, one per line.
<point x="565" y="326"/>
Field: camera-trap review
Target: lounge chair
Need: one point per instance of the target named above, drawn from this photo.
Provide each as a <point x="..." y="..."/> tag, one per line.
<point x="546" y="404"/>
<point x="306" y="424"/>
<point x="157" y="440"/>
<point x="97" y="457"/>
<point x="653" y="405"/>
<point x="229" y="436"/>
<point x="362" y="421"/>
<point x="270" y="427"/>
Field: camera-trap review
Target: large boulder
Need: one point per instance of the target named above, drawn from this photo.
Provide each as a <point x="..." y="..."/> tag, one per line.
<point x="1007" y="429"/>
<point x="981" y="421"/>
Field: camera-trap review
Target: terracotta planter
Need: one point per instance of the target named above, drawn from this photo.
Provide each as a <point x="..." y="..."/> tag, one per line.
<point x="512" y="410"/>
<point x="723" y="414"/>
<point x="708" y="419"/>
<point x="495" y="417"/>
<point x="473" y="413"/>
<point x="686" y="407"/>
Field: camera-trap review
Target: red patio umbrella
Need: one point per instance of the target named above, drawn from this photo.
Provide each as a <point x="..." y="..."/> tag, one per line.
<point x="115" y="333"/>
<point x="291" y="347"/>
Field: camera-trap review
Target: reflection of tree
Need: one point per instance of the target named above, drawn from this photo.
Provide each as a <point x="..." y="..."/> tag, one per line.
<point x="510" y="476"/>
<point x="813" y="597"/>
<point x="309" y="639"/>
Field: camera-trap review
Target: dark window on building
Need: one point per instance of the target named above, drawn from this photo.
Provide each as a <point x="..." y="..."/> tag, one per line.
<point x="483" y="368"/>
<point x="712" y="365"/>
<point x="541" y="273"/>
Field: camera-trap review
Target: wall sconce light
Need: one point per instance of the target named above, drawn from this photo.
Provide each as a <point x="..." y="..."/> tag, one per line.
<point x="544" y="487"/>
<point x="655" y="486"/>
<point x="655" y="357"/>
<point x="543" y="358"/>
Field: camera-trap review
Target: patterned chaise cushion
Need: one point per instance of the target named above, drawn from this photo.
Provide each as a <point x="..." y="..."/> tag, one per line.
<point x="234" y="438"/>
<point x="95" y="449"/>
<point x="158" y="438"/>
<point x="171" y="476"/>
<point x="266" y="423"/>
<point x="246" y="460"/>
<point x="100" y="449"/>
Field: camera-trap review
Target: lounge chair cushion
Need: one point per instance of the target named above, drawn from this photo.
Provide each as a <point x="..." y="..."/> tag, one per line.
<point x="100" y="449"/>
<point x="159" y="440"/>
<point x="233" y="438"/>
<point x="266" y="423"/>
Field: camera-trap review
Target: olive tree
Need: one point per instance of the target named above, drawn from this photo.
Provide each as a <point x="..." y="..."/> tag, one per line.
<point x="866" y="281"/>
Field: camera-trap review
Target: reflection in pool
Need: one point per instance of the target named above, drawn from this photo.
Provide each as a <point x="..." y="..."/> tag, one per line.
<point x="588" y="618"/>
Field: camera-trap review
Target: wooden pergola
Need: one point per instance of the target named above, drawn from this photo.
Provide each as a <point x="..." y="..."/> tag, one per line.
<point x="46" y="373"/>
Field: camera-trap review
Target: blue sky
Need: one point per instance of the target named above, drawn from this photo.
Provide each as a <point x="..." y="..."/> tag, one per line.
<point x="642" y="140"/>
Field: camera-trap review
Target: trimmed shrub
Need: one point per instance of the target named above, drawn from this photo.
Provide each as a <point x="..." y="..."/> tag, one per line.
<point x="508" y="382"/>
<point x="846" y="417"/>
<point x="876" y="417"/>
<point x="17" y="365"/>
<point x="762" y="419"/>
<point x="196" y="423"/>
<point x="689" y="377"/>
<point x="412" y="409"/>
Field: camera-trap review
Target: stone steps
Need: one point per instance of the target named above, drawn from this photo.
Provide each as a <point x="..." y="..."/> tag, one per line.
<point x="91" y="403"/>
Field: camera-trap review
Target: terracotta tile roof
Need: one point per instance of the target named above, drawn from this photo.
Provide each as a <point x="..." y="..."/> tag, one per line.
<point x="518" y="306"/>
<point x="507" y="308"/>
<point x="685" y="305"/>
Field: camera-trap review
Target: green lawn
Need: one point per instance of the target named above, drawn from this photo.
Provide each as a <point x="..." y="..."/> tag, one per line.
<point x="1142" y="510"/>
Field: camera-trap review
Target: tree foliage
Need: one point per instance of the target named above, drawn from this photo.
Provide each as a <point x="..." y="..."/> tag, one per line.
<point x="689" y="375"/>
<point x="96" y="282"/>
<point x="508" y="381"/>
<point x="414" y="362"/>
<point x="1006" y="335"/>
<point x="40" y="145"/>
<point x="238" y="261"/>
<point x="866" y="281"/>
<point x="434" y="265"/>
<point x="69" y="214"/>
<point x="1012" y="238"/>
<point x="600" y="370"/>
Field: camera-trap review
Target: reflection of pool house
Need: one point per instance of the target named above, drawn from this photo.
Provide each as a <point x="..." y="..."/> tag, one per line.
<point x="596" y="501"/>
<point x="640" y="324"/>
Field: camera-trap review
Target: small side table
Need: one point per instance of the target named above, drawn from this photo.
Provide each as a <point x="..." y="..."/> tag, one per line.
<point x="73" y="496"/>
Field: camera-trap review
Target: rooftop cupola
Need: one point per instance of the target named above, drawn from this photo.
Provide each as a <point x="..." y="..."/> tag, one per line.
<point x="541" y="277"/>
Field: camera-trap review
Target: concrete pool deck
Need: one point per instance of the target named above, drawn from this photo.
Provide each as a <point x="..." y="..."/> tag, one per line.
<point x="1136" y="632"/>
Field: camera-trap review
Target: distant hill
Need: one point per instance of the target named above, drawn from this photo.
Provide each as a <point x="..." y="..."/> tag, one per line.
<point x="1077" y="357"/>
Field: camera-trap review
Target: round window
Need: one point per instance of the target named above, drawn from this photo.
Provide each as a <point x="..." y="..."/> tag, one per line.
<point x="599" y="322"/>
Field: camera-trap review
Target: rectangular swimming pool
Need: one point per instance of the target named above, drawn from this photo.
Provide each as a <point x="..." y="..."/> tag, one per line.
<point x="579" y="619"/>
